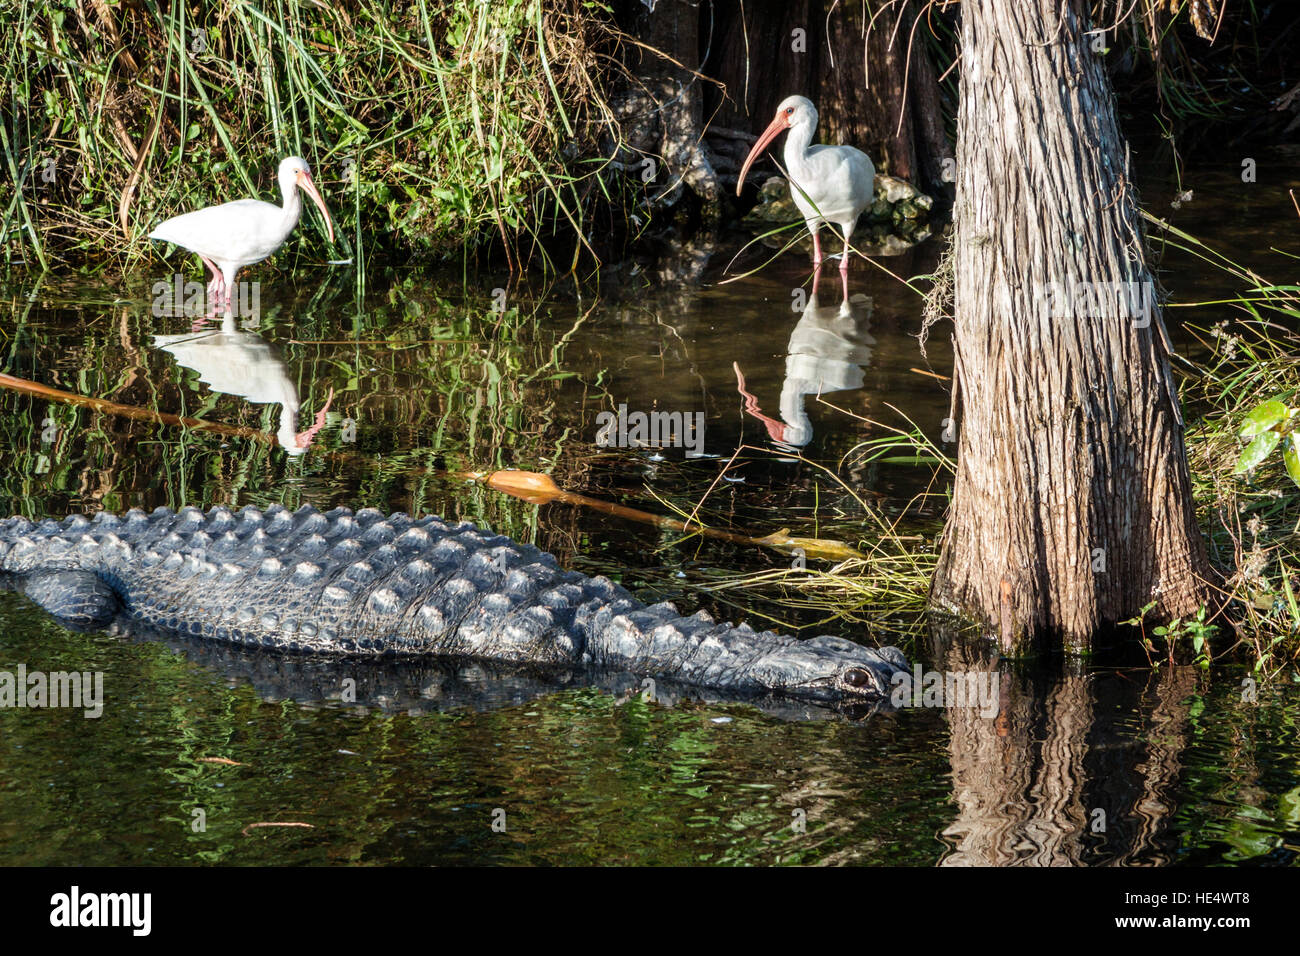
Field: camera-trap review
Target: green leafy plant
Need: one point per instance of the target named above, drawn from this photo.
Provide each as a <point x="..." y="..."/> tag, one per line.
<point x="432" y="126"/>
<point x="1269" y="424"/>
<point x="1196" y="630"/>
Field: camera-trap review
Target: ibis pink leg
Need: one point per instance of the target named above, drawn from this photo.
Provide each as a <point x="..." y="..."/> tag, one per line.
<point x="844" y="268"/>
<point x="844" y="260"/>
<point x="217" y="286"/>
<point x="214" y="296"/>
<point x="228" y="284"/>
<point x="817" y="247"/>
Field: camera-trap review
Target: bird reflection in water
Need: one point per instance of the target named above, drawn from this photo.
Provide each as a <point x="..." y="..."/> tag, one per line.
<point x="828" y="351"/>
<point x="238" y="362"/>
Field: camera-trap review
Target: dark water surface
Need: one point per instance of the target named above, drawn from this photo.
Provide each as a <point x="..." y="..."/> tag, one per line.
<point x="436" y="376"/>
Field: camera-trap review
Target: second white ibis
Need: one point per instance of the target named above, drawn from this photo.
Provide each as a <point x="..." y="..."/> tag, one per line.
<point x="237" y="234"/>
<point x="828" y="183"/>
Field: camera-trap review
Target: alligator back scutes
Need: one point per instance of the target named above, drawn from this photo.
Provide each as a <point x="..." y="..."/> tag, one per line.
<point x="300" y="580"/>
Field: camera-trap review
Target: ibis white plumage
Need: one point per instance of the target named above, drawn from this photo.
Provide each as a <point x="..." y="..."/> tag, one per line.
<point x="828" y="183"/>
<point x="237" y="234"/>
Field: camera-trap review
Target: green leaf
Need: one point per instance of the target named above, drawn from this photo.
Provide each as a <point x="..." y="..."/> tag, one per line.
<point x="1291" y="456"/>
<point x="1257" y="451"/>
<point x="1264" y="417"/>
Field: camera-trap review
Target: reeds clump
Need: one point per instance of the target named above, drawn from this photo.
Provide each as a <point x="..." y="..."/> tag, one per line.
<point x="430" y="125"/>
<point x="1249" y="502"/>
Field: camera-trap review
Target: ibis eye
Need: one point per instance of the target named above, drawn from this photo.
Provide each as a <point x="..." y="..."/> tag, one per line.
<point x="789" y="111"/>
<point x="857" y="677"/>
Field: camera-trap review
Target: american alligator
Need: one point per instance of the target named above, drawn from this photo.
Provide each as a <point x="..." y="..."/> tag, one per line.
<point x="362" y="584"/>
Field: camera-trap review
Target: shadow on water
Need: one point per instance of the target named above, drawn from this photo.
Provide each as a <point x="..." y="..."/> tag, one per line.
<point x="1066" y="763"/>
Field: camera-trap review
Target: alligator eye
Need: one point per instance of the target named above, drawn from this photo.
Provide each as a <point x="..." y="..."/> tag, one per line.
<point x="857" y="677"/>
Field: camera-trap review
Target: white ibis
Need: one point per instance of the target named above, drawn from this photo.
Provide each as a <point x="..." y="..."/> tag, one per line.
<point x="237" y="234"/>
<point x="828" y="183"/>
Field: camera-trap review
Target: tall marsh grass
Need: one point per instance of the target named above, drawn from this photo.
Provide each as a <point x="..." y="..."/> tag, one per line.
<point x="430" y="125"/>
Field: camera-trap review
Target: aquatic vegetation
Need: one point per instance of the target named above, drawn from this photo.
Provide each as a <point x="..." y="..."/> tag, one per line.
<point x="885" y="588"/>
<point x="1195" y="630"/>
<point x="1246" y="496"/>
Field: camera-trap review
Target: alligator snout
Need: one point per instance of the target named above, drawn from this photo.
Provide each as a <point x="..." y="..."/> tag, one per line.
<point x="831" y="668"/>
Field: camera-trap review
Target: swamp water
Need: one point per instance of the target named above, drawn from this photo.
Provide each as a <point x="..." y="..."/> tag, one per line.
<point x="433" y="377"/>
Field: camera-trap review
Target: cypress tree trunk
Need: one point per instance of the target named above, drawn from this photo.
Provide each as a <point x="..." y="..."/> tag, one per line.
<point x="1072" y="504"/>
<point x="663" y="113"/>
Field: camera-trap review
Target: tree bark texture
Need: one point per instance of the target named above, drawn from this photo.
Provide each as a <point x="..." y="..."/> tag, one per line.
<point x="663" y="113"/>
<point x="1072" y="505"/>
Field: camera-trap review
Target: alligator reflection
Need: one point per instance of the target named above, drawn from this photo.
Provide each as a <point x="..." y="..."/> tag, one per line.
<point x="1078" y="767"/>
<point x="829" y="348"/>
<point x="426" y="684"/>
<point x="238" y="362"/>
